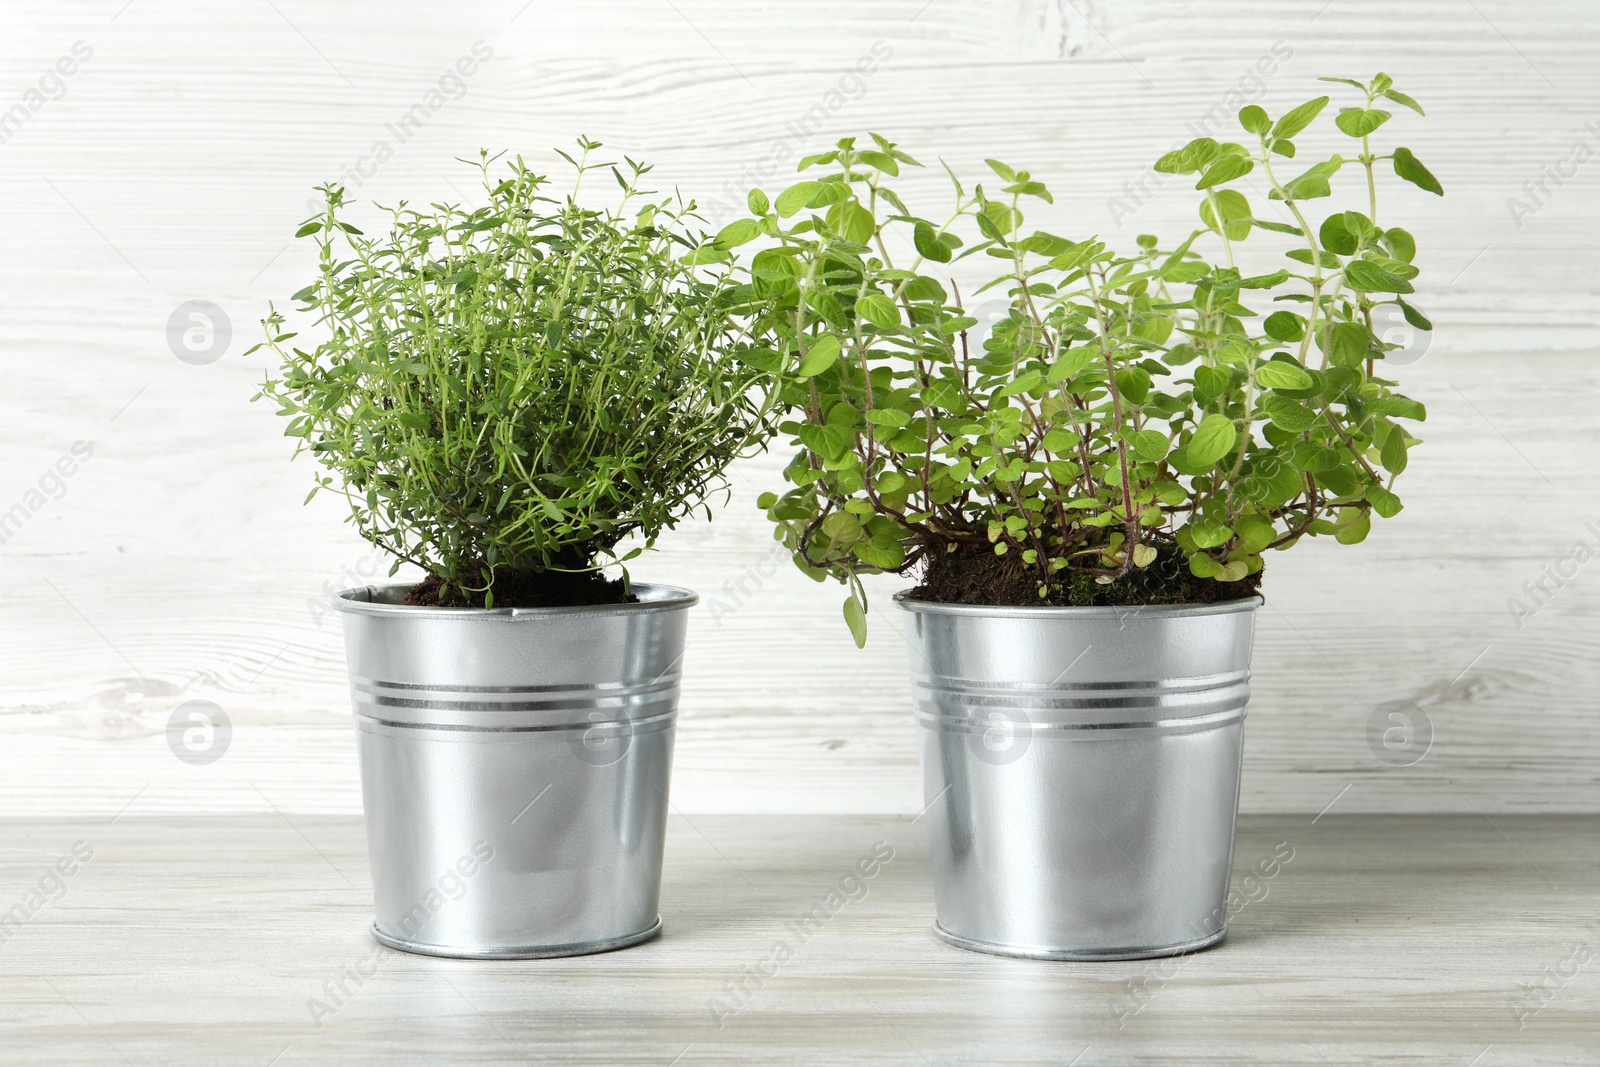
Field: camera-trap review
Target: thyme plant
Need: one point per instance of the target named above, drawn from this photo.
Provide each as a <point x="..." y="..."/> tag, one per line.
<point x="506" y="392"/>
<point x="1141" y="425"/>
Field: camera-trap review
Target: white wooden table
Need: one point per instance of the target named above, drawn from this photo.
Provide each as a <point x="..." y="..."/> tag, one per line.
<point x="1386" y="939"/>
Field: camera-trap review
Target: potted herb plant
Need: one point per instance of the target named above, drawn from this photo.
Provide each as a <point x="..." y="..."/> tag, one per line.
<point x="503" y="395"/>
<point x="1086" y="494"/>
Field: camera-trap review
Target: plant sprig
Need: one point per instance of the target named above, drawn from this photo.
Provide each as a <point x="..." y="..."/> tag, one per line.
<point x="1133" y="410"/>
<point x="515" y="388"/>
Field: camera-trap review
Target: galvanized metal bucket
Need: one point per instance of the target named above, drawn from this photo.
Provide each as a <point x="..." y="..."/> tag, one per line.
<point x="515" y="764"/>
<point x="1081" y="771"/>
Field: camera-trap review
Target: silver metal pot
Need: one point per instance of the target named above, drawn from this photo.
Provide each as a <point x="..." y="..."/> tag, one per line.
<point x="515" y="764"/>
<point x="1081" y="770"/>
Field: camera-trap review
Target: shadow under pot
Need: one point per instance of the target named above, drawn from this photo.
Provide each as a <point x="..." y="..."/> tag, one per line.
<point x="515" y="766"/>
<point x="1081" y="771"/>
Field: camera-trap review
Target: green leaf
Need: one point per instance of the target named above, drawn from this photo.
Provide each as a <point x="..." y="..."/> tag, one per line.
<point x="924" y="289"/>
<point x="796" y="197"/>
<point x="1360" y="225"/>
<point x="1411" y="169"/>
<point x="1360" y="121"/>
<point x="1319" y="382"/>
<point x="1404" y="101"/>
<point x="1213" y="439"/>
<point x="1336" y="236"/>
<point x="1060" y="442"/>
<point x="829" y="442"/>
<point x="1255" y="533"/>
<point x="928" y="244"/>
<point x="995" y="220"/>
<point x="1340" y="481"/>
<point x="1280" y="374"/>
<point x="851" y="221"/>
<point x="1400" y="244"/>
<point x="1181" y="353"/>
<point x="706" y="253"/>
<point x="878" y="310"/>
<point x="1298" y="119"/>
<point x="885" y="555"/>
<point x="1021" y="384"/>
<point x="1264" y="281"/>
<point x="1413" y="316"/>
<point x="1184" y="272"/>
<point x="1313" y="457"/>
<point x="1255" y="120"/>
<point x="1073" y="361"/>
<point x="1284" y="326"/>
<point x="757" y="202"/>
<point x="771" y="264"/>
<point x="1346" y="343"/>
<point x="821" y="157"/>
<point x="831" y="193"/>
<point x="1365" y="277"/>
<point x="1150" y="445"/>
<point x="1047" y="244"/>
<point x="1172" y="163"/>
<point x="855" y="617"/>
<point x="1134" y="384"/>
<point x="1225" y="169"/>
<point x="1289" y="414"/>
<point x="1383" y="501"/>
<point x="1074" y="256"/>
<point x="1393" y="453"/>
<point x="882" y="161"/>
<point x="1235" y="211"/>
<point x="1208" y="534"/>
<point x="821" y="355"/>
<point x="1212" y="381"/>
<point x="741" y="231"/>
<point x="1192" y="157"/>
<point x="1306" y="187"/>
<point x="1398" y="407"/>
<point x="1354" y="532"/>
<point x="763" y="358"/>
<point x="1313" y="183"/>
<point x="1031" y="188"/>
<point x="1279" y="227"/>
<point x="1303" y="255"/>
<point x="315" y="226"/>
<point x="1001" y="169"/>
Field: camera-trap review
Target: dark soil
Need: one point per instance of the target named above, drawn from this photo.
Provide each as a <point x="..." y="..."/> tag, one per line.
<point x="978" y="576"/>
<point x="549" y="589"/>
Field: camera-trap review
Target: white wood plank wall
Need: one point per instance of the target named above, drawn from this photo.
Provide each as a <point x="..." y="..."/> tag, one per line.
<point x="176" y="563"/>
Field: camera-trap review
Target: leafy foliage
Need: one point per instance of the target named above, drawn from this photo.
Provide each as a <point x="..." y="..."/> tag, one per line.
<point x="1128" y="407"/>
<point x="512" y="389"/>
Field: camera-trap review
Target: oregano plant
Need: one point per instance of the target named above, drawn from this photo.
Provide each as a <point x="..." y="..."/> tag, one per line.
<point x="503" y="393"/>
<point x="1141" y="425"/>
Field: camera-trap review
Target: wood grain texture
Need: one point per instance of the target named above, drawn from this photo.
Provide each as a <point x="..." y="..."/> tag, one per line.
<point x="179" y="564"/>
<point x="1390" y="940"/>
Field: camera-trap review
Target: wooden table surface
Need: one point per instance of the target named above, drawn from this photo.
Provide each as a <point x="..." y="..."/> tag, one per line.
<point x="223" y="940"/>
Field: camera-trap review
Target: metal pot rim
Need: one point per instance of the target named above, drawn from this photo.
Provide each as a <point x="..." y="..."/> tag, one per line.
<point x="385" y="600"/>
<point x="1048" y="611"/>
